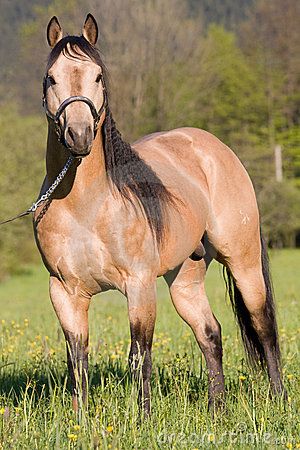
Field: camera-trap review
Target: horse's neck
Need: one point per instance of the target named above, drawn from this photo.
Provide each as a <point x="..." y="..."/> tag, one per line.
<point x="88" y="174"/>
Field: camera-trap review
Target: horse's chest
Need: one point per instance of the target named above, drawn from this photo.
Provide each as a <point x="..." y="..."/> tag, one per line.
<point x="77" y="256"/>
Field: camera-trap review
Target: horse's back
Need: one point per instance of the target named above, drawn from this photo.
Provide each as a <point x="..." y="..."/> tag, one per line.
<point x="199" y="154"/>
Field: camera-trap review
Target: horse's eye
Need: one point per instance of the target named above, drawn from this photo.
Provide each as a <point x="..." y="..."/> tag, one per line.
<point x="51" y="80"/>
<point x="99" y="78"/>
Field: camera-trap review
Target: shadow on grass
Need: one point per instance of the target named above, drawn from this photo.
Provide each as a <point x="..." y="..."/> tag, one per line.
<point x="44" y="380"/>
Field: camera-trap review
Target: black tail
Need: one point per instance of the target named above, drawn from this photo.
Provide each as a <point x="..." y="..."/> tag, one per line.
<point x="253" y="346"/>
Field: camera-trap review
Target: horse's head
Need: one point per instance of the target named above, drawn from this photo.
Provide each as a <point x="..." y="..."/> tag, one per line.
<point x="74" y="88"/>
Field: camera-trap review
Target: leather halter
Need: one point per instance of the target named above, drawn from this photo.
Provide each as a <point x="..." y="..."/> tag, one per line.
<point x="75" y="98"/>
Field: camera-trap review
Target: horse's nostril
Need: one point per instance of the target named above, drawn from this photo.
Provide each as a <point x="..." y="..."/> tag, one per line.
<point x="70" y="132"/>
<point x="88" y="132"/>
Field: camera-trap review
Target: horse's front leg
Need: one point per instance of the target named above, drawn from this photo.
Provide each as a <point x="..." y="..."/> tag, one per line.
<point x="72" y="312"/>
<point x="141" y="295"/>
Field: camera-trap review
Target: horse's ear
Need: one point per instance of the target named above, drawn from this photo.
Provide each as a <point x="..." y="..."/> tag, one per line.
<point x="54" y="32"/>
<point x="90" y="29"/>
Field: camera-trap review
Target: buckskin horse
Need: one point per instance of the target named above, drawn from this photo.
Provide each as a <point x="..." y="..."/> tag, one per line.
<point x="125" y="215"/>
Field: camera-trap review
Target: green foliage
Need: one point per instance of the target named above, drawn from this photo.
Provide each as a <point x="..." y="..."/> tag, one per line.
<point x="225" y="92"/>
<point x="35" y="404"/>
<point x="290" y="142"/>
<point x="280" y="211"/>
<point x="21" y="175"/>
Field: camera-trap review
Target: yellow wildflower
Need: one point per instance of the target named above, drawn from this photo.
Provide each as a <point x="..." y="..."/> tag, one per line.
<point x="72" y="437"/>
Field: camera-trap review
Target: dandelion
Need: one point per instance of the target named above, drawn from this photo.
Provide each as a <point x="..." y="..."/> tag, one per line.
<point x="289" y="445"/>
<point x="242" y="378"/>
<point x="109" y="429"/>
<point x="73" y="437"/>
<point x="76" y="427"/>
<point x="2" y="411"/>
<point x="290" y="376"/>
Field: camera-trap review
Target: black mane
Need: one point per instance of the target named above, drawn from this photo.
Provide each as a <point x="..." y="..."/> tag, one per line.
<point x="129" y="173"/>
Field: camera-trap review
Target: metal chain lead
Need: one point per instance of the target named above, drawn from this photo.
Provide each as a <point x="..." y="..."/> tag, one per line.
<point x="47" y="194"/>
<point x="53" y="186"/>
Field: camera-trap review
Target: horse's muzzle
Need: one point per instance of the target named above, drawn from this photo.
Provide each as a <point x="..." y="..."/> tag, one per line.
<point x="79" y="138"/>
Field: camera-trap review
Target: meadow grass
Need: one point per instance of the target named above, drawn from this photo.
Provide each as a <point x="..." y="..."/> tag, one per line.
<point x="35" y="403"/>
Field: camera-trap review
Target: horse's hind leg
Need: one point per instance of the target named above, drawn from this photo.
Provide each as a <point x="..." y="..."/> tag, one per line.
<point x="72" y="312"/>
<point x="188" y="295"/>
<point x="252" y="298"/>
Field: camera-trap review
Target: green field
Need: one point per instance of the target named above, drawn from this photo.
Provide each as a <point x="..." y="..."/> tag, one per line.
<point x="35" y="405"/>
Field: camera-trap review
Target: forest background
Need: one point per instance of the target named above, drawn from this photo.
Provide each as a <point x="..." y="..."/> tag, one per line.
<point x="230" y="67"/>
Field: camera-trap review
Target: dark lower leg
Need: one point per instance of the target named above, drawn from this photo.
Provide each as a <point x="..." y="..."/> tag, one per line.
<point x="269" y="339"/>
<point x="212" y="350"/>
<point x="141" y="363"/>
<point x="77" y="356"/>
<point x="274" y="371"/>
<point x="266" y="330"/>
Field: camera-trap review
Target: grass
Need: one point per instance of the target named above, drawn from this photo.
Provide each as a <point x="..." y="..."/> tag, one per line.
<point x="35" y="404"/>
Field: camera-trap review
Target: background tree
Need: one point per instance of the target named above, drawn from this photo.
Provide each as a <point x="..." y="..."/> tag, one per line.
<point x="271" y="41"/>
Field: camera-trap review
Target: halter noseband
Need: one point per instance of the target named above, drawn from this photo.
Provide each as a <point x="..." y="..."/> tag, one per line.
<point x="75" y="98"/>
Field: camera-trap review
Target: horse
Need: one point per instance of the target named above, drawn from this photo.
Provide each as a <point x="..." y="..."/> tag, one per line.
<point x="124" y="215"/>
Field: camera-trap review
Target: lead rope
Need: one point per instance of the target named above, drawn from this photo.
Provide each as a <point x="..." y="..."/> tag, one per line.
<point x="47" y="194"/>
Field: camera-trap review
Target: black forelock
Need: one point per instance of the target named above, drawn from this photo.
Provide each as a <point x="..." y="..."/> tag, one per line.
<point x="73" y="47"/>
